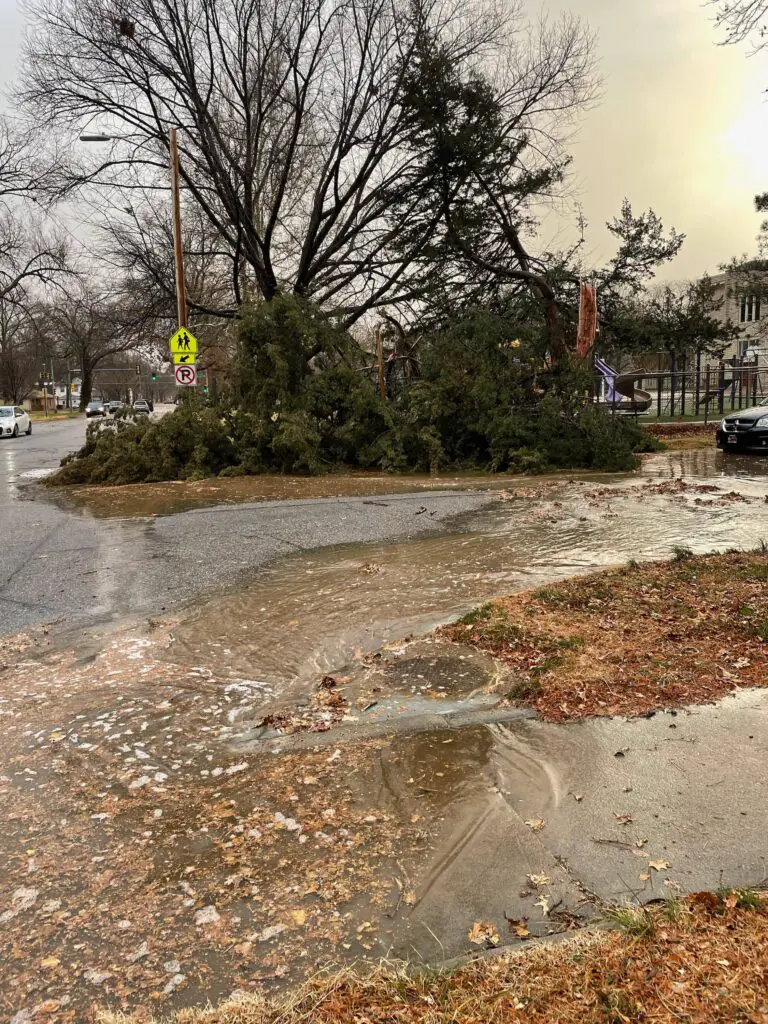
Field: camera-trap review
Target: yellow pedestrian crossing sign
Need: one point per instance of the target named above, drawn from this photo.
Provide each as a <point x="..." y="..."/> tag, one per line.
<point x="183" y="343"/>
<point x="183" y="358"/>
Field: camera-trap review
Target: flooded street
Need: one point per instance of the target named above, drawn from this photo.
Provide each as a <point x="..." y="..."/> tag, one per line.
<point x="293" y="771"/>
<point x="315" y="611"/>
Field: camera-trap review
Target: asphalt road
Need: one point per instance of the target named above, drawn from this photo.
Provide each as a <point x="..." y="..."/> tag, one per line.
<point x="63" y="567"/>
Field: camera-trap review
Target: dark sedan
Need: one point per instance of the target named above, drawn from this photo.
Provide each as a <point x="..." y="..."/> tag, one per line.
<point x="745" y="430"/>
<point x="95" y="408"/>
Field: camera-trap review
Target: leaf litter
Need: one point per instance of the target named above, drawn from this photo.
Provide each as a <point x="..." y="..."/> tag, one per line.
<point x="634" y="640"/>
<point x="701" y="961"/>
<point x="152" y="847"/>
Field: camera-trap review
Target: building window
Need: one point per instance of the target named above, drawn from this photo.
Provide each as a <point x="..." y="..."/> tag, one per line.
<point x="749" y="309"/>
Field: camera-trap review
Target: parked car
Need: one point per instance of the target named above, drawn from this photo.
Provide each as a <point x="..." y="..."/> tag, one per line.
<point x="95" y="408"/>
<point x="143" y="406"/>
<point x="745" y="430"/>
<point x="113" y="407"/>
<point x="14" y="421"/>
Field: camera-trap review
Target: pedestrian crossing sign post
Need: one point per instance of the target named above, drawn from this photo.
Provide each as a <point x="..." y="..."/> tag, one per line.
<point x="183" y="358"/>
<point x="183" y="343"/>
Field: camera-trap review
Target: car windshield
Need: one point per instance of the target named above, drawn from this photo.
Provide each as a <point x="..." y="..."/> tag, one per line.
<point x="6" y="412"/>
<point x="94" y="405"/>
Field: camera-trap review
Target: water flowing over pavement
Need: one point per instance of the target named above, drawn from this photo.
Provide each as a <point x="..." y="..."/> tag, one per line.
<point x="71" y="570"/>
<point x="192" y="806"/>
<point x="315" y="609"/>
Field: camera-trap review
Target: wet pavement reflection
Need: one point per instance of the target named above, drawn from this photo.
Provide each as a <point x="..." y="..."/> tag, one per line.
<point x="314" y="612"/>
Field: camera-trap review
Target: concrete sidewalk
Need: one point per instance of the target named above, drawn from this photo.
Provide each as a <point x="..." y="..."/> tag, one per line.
<point x="632" y="811"/>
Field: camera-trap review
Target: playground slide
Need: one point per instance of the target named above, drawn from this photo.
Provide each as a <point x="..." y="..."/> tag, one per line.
<point x="625" y="385"/>
<point x="620" y="390"/>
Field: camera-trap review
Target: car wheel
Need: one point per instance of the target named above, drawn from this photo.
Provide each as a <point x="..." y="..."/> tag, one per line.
<point x="16" y="430"/>
<point x="29" y="429"/>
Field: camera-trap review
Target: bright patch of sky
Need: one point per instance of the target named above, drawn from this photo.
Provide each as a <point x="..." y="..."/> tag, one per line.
<point x="682" y="125"/>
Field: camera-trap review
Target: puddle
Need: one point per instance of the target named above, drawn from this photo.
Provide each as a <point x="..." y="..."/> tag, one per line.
<point x="313" y="613"/>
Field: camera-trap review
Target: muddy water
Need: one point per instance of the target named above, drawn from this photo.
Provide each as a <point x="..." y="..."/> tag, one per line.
<point x="314" y="612"/>
<point x="138" y="500"/>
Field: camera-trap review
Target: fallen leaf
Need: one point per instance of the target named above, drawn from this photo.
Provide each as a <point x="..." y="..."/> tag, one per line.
<point x="96" y="977"/>
<point x="535" y="824"/>
<point x="49" y="1006"/>
<point x="141" y="952"/>
<point x="539" y="880"/>
<point x="644" y="878"/>
<point x="543" y="902"/>
<point x="518" y="928"/>
<point x="410" y="899"/>
<point x="206" y="915"/>
<point x="482" y="932"/>
<point x="658" y="865"/>
<point x="624" y="819"/>
<point x="299" y="917"/>
<point x="50" y="962"/>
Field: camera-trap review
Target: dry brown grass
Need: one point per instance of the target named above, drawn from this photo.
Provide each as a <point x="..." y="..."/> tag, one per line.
<point x="699" y="961"/>
<point x="633" y="640"/>
<point x="684" y="436"/>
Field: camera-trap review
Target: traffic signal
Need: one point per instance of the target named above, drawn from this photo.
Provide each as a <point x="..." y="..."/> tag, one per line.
<point x="138" y="370"/>
<point x="154" y="375"/>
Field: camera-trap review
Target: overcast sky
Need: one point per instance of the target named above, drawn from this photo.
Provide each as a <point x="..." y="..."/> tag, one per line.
<point x="682" y="125"/>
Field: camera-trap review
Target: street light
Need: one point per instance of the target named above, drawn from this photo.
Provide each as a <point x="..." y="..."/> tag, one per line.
<point x="181" y="293"/>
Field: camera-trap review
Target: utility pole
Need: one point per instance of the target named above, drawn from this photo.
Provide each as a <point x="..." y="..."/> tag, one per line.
<point x="181" y="296"/>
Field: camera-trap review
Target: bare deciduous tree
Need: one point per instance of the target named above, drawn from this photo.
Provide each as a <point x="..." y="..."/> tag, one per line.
<point x="20" y="355"/>
<point x="29" y="254"/>
<point x="742" y="20"/>
<point x="87" y="326"/>
<point x="293" y="131"/>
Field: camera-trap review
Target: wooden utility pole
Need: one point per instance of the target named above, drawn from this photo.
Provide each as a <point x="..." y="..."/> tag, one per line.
<point x="181" y="294"/>
<point x="380" y="360"/>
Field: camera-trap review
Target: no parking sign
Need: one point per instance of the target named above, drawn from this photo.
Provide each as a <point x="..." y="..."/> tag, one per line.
<point x="186" y="376"/>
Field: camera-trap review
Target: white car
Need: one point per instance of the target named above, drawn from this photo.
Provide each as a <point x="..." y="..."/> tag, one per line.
<point x="14" y="421"/>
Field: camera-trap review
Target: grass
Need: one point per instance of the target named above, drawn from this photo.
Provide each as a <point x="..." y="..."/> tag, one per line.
<point x="633" y="920"/>
<point x="700" y="959"/>
<point x="610" y="643"/>
<point x="480" y="614"/>
<point x="40" y="417"/>
<point x="681" y="554"/>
